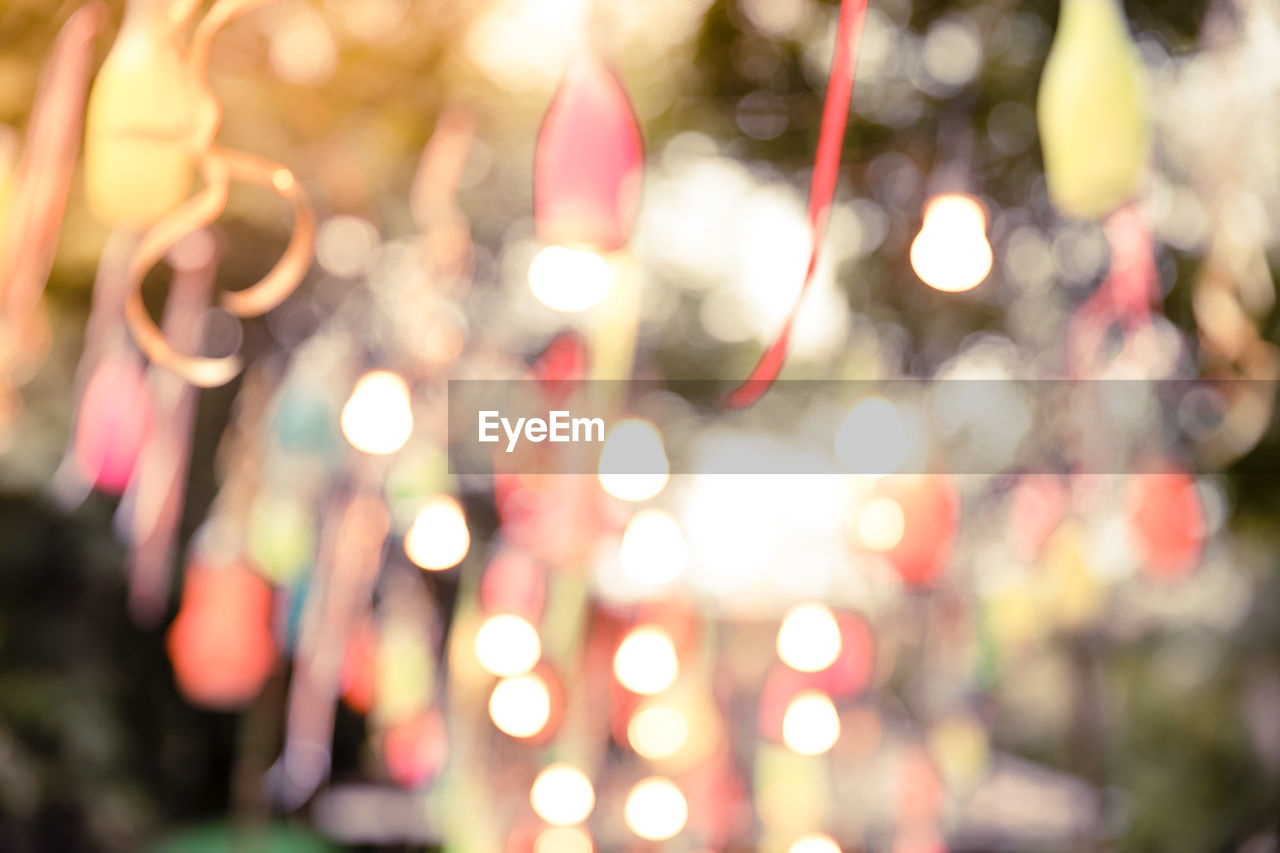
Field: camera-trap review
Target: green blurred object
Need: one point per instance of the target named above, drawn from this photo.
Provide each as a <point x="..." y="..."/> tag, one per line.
<point x="1092" y="111"/>
<point x="282" y="537"/>
<point x="420" y="472"/>
<point x="225" y="838"/>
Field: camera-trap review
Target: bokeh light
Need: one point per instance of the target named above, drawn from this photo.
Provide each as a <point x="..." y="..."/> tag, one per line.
<point x="814" y="844"/>
<point x="507" y="645"/>
<point x="810" y="725"/>
<point x="562" y="795"/>
<point x="873" y="439"/>
<point x="377" y="418"/>
<point x="633" y="463"/>
<point x="438" y="539"/>
<point x="520" y="705"/>
<point x="881" y="523"/>
<point x="809" y="638"/>
<point x="569" y="280"/>
<point x="657" y="731"/>
<point x="656" y="809"/>
<point x="653" y="548"/>
<point x="646" y="661"/>
<point x="563" y="839"/>
<point x="951" y="252"/>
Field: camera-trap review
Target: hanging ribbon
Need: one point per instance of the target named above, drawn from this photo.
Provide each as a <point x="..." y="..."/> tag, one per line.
<point x="822" y="187"/>
<point x="44" y="172"/>
<point x="218" y="167"/>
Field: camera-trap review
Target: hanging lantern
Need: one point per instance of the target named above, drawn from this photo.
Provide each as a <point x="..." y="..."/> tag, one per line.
<point x="588" y="162"/>
<point x="1092" y="110"/>
<point x="923" y="525"/>
<point x="138" y="157"/>
<point x="221" y="644"/>
<point x="113" y="423"/>
<point x="416" y="749"/>
<point x="1166" y="522"/>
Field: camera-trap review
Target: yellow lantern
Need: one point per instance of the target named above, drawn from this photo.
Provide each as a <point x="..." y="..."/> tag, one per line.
<point x="1092" y="110"/>
<point x="138" y="157"/>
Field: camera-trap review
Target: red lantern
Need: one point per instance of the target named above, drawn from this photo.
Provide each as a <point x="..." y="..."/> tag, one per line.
<point x="415" y="750"/>
<point x="930" y="515"/>
<point x="358" y="668"/>
<point x="221" y="643"/>
<point x="1166" y="521"/>
<point x="588" y="163"/>
<point x="514" y="582"/>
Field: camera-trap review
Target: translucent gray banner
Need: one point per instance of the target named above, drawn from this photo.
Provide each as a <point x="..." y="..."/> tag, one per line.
<point x="874" y="428"/>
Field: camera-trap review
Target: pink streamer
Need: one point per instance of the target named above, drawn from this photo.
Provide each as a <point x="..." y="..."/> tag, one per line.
<point x="826" y="170"/>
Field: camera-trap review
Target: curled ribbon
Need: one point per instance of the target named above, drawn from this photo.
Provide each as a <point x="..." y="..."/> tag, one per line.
<point x="218" y="167"/>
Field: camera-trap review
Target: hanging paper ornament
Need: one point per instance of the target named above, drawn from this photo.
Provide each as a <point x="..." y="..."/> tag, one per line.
<point x="282" y="536"/>
<point x="514" y="582"/>
<point x="923" y="528"/>
<point x="1166" y="522"/>
<point x="1075" y="593"/>
<point x="113" y="423"/>
<point x="1092" y="110"/>
<point x="588" y="162"/>
<point x="304" y="421"/>
<point x="138" y="150"/>
<point x="358" y="680"/>
<point x="415" y="750"/>
<point x="961" y="750"/>
<point x="221" y="643"/>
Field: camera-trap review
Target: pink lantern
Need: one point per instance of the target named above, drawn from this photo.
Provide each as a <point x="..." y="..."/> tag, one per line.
<point x="588" y="163"/>
<point x="113" y="423"/>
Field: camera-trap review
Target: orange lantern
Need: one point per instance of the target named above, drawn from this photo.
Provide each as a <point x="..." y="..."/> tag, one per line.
<point x="221" y="643"/>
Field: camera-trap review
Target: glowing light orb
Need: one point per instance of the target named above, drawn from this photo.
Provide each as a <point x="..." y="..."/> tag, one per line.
<point x="438" y="539"/>
<point x="809" y="638"/>
<point x="507" y="645"/>
<point x="646" y="661"/>
<point x="521" y="705"/>
<point x="951" y="252"/>
<point x="563" y="839"/>
<point x="376" y="418"/>
<point x="569" y="280"/>
<point x="881" y="524"/>
<point x="653" y="548"/>
<point x="633" y="463"/>
<point x="814" y="844"/>
<point x="656" y="809"/>
<point x="657" y="732"/>
<point x="810" y="725"/>
<point x="562" y="795"/>
<point x="874" y="438"/>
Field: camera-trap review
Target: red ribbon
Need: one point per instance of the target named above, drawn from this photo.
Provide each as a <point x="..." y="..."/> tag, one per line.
<point x="822" y="187"/>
